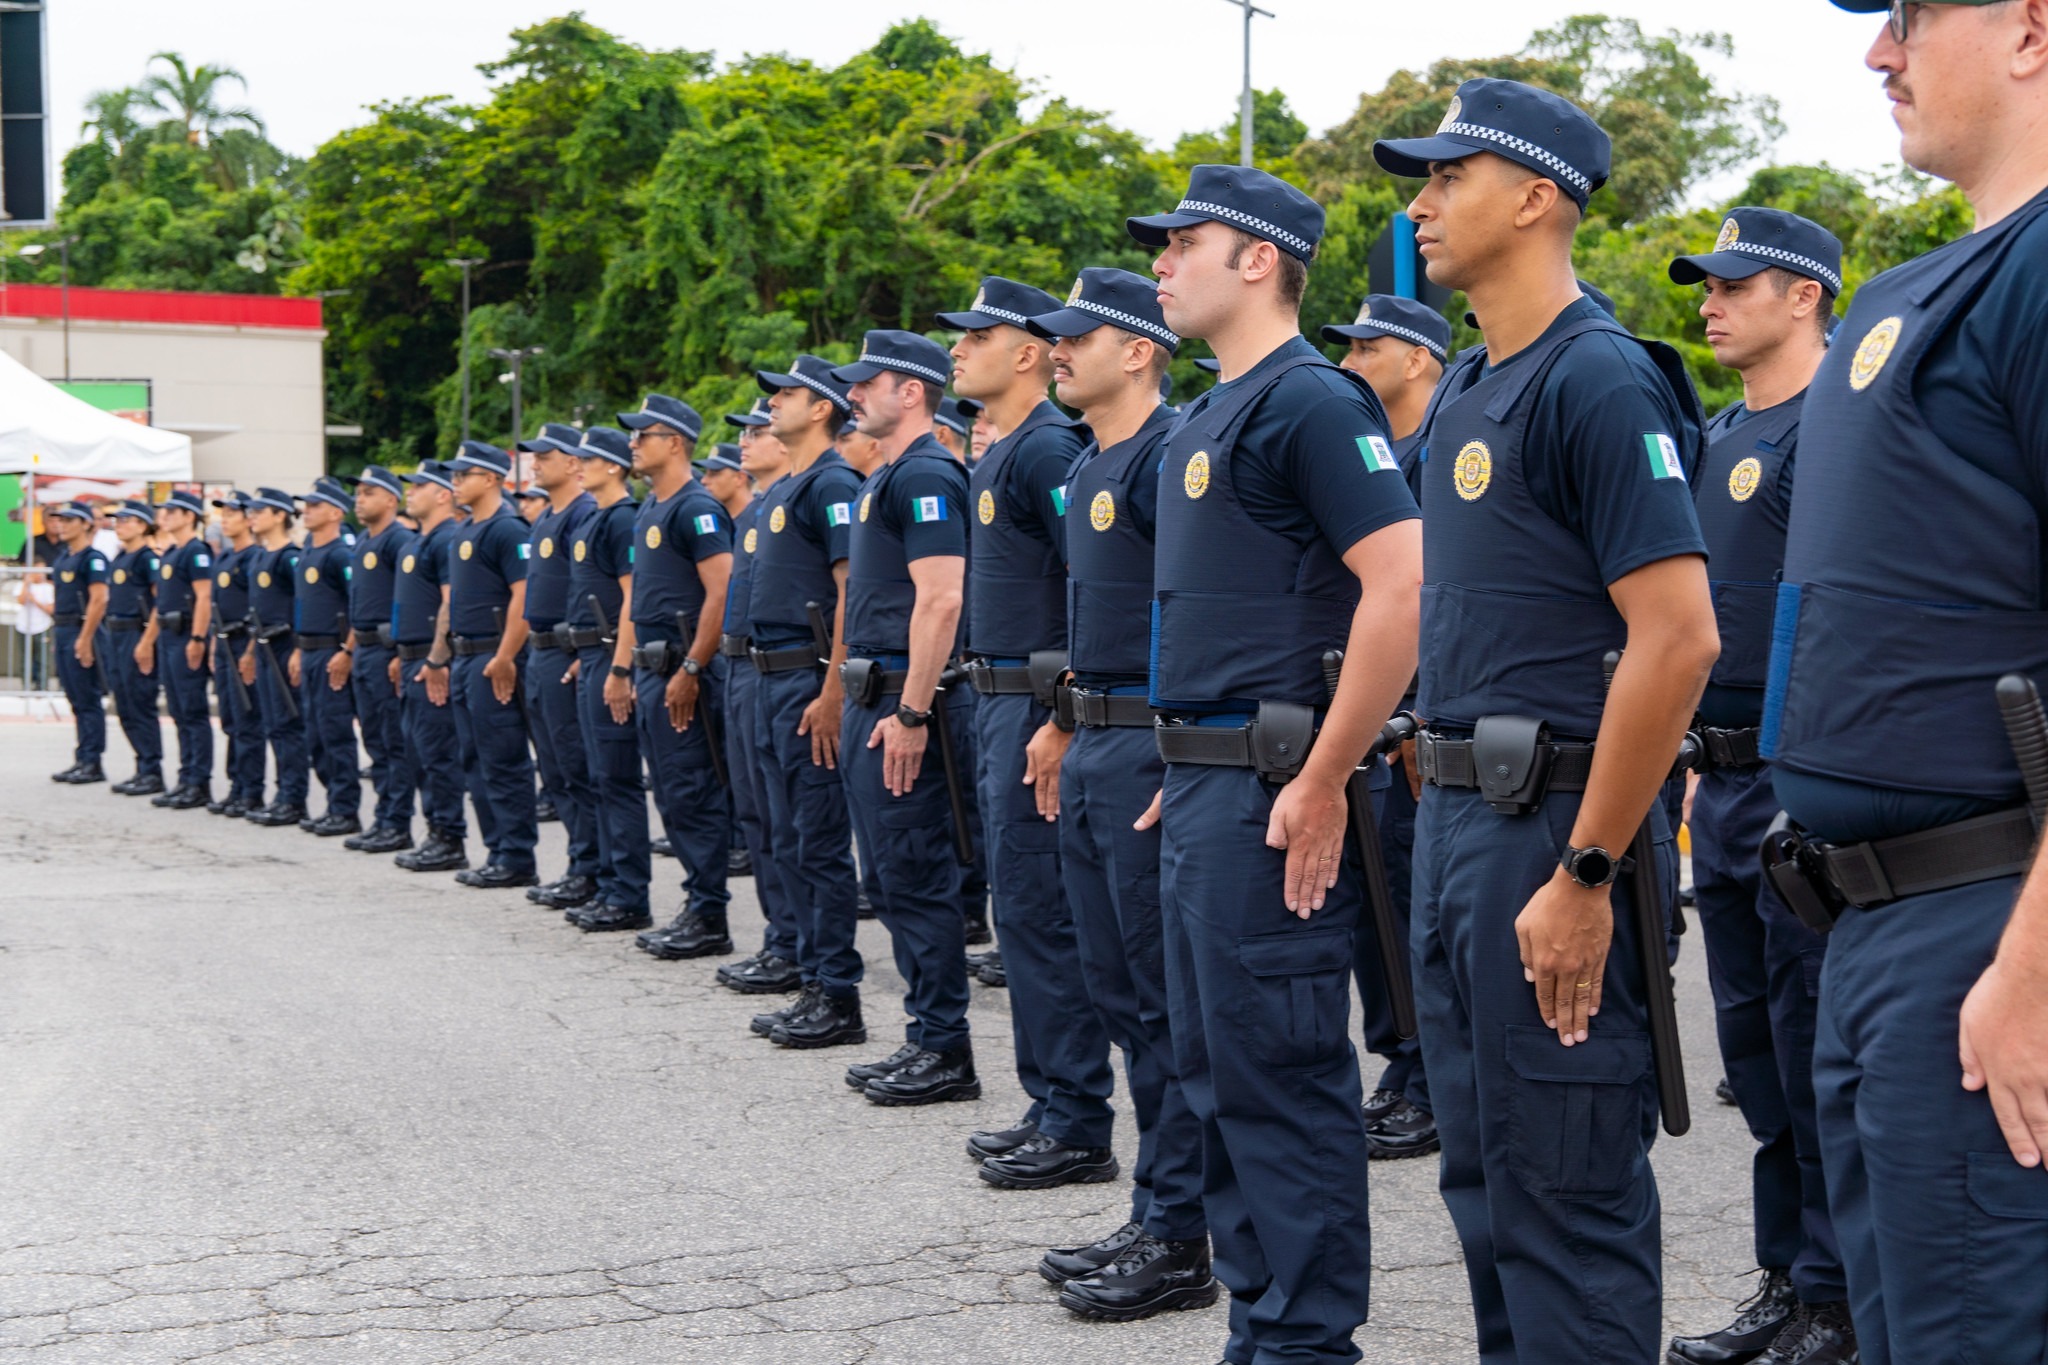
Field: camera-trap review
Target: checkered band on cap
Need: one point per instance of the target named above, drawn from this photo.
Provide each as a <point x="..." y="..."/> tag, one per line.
<point x="1014" y="319"/>
<point x="1407" y="334"/>
<point x="1224" y="213"/>
<point x="837" y="400"/>
<point x="1805" y="264"/>
<point x="1570" y="176"/>
<point x="890" y="362"/>
<point x="1130" y="322"/>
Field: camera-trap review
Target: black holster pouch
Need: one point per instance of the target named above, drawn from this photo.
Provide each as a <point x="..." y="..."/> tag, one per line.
<point x="1046" y="667"/>
<point x="384" y="637"/>
<point x="1063" y="709"/>
<point x="662" y="656"/>
<point x="1792" y="865"/>
<point x="1279" y="739"/>
<point x="174" y="622"/>
<point x="862" y="679"/>
<point x="1511" y="757"/>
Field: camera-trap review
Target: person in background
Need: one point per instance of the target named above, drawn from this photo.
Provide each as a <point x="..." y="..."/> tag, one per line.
<point x="80" y="574"/>
<point x="131" y="652"/>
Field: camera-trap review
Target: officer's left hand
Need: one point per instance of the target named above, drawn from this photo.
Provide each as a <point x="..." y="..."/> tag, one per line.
<point x="82" y="650"/>
<point x="291" y="668"/>
<point x="2004" y="1044"/>
<point x="145" y="658"/>
<point x="682" y="699"/>
<point x="821" y="721"/>
<point x="1308" y="821"/>
<point x="504" y="676"/>
<point x="337" y="671"/>
<point x="1042" y="759"/>
<point x="1151" y="815"/>
<point x="195" y="654"/>
<point x="1565" y="930"/>
<point x="902" y="751"/>
<point x="575" y="668"/>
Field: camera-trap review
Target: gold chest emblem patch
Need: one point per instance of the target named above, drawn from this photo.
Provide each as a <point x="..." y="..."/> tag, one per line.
<point x="865" y="499"/>
<point x="312" y="574"/>
<point x="754" y="536"/>
<point x="1196" y="479"/>
<point x="579" y="551"/>
<point x="263" y="578"/>
<point x="776" y="521"/>
<point x="1472" y="471"/>
<point x="370" y="559"/>
<point x="1872" y="352"/>
<point x="986" y="507"/>
<point x="1102" y="511"/>
<point x="120" y="575"/>
<point x="1743" y="479"/>
<point x="467" y="548"/>
<point x="654" y="537"/>
<point x="221" y="579"/>
<point x="547" y="547"/>
<point x="407" y="566"/>
<point x="166" y="571"/>
<point x="68" y="575"/>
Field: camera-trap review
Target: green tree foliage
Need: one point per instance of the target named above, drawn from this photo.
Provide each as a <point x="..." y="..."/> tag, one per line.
<point x="1276" y="132"/>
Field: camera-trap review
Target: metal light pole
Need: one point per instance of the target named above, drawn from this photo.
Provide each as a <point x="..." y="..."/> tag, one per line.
<point x="517" y="359"/>
<point x="64" y="256"/>
<point x="465" y="262"/>
<point x="1244" y="107"/>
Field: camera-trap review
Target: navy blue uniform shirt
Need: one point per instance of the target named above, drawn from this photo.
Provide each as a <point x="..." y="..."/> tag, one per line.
<point x="819" y="515"/>
<point x="373" y="576"/>
<point x="1736" y="707"/>
<point x="416" y="597"/>
<point x="921" y="508"/>
<point x="599" y="556"/>
<point x="178" y="571"/>
<point x="230" y="587"/>
<point x="486" y="558"/>
<point x="273" y="584"/>
<point x="73" y="573"/>
<point x="1035" y="491"/>
<point x="671" y="538"/>
<point x="547" y="562"/>
<point x="322" y="605"/>
<point x="131" y="584"/>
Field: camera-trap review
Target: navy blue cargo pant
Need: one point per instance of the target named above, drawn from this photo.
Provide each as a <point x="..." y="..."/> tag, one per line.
<point x="696" y="812"/>
<point x="612" y="751"/>
<point x="82" y="689"/>
<point x="436" y="753"/>
<point x="1944" y="1235"/>
<point x="1062" y="1047"/>
<point x="284" y="730"/>
<point x="747" y="765"/>
<point x="1546" y="1167"/>
<point x="1765" y="967"/>
<point x="185" y="699"/>
<point x="1111" y="873"/>
<point x="907" y="844"/>
<point x="135" y="700"/>
<point x="241" y="723"/>
<point x="558" y="747"/>
<point x="331" y="733"/>
<point x="496" y="761"/>
<point x="805" y="804"/>
<point x="974" y="878"/>
<point x="377" y="712"/>
<point x="1404" y="1073"/>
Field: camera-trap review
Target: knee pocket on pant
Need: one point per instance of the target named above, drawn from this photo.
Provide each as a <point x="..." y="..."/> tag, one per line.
<point x="1295" y="1001"/>
<point x="1575" y="1117"/>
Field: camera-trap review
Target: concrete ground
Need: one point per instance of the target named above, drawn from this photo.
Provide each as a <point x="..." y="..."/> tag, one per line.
<point x="263" y="1100"/>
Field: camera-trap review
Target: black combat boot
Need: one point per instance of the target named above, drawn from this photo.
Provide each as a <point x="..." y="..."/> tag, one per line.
<point x="1150" y="1276"/>
<point x="929" y="1078"/>
<point x="765" y="1025"/>
<point x="1073" y="1263"/>
<point x="860" y="1073"/>
<point x="1758" y="1322"/>
<point x="1403" y="1131"/>
<point x="984" y="1143"/>
<point x="442" y="852"/>
<point x="833" y="1020"/>
<point x="1044" y="1162"/>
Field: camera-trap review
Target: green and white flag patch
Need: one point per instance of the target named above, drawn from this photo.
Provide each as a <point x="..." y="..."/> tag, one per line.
<point x="1663" y="452"/>
<point x="839" y="514"/>
<point x="1379" y="456"/>
<point x="705" y="524"/>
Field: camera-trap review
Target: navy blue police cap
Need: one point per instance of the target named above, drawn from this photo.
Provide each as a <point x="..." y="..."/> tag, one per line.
<point x="1209" y="365"/>
<point x="970" y="408"/>
<point x="558" y="436"/>
<point x="185" y="499"/>
<point x="274" y="499"/>
<point x="433" y="472"/>
<point x="607" y="443"/>
<point x="809" y="372"/>
<point x="725" y="455"/>
<point x="1263" y="205"/>
<point x="330" y="491"/>
<point x="532" y="490"/>
<point x="134" y="507"/>
<point x="1534" y="128"/>
<point x="377" y="476"/>
<point x="755" y="416"/>
<point x="1753" y="240"/>
<point x="658" y="409"/>
<point x="480" y="455"/>
<point x="950" y="417"/>
<point x="1106" y="297"/>
<point x="1000" y="302"/>
<point x="904" y="352"/>
<point x="78" y="511"/>
<point x="236" y="499"/>
<point x="1390" y="315"/>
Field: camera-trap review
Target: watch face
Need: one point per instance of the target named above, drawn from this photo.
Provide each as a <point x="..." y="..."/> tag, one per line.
<point x="1594" y="867"/>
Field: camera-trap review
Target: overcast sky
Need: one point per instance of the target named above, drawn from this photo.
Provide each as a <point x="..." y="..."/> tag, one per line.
<point x="1159" y="69"/>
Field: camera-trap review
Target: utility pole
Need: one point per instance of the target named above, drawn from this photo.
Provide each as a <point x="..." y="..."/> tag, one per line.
<point x="517" y="357"/>
<point x="1244" y="107"/>
<point x="465" y="262"/>
<point x="63" y="255"/>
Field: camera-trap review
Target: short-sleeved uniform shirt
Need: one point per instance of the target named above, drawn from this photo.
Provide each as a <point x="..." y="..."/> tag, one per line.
<point x="485" y="559"/>
<point x="230" y="586"/>
<point x="672" y="537"/>
<point x="322" y="605"/>
<point x="373" y="577"/>
<point x="600" y="555"/>
<point x="549" y="545"/>
<point x="805" y="527"/>
<point x="422" y="573"/>
<point x="73" y="574"/>
<point x="1034" y="493"/>
<point x="921" y="507"/>
<point x="273" y="584"/>
<point x="1736" y="707"/>
<point x="131" y="584"/>
<point x="177" y="571"/>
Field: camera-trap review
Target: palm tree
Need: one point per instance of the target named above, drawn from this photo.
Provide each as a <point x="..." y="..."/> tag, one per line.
<point x="191" y="95"/>
<point x="113" y="120"/>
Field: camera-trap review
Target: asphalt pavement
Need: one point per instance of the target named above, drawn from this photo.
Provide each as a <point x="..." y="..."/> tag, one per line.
<point x="263" y="1099"/>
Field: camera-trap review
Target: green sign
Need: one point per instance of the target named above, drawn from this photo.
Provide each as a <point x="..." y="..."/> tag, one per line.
<point x="13" y="530"/>
<point x="129" y="397"/>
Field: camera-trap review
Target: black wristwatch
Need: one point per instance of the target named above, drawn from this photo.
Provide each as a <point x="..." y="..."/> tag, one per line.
<point x="621" y="671"/>
<point x="1590" y="867"/>
<point x="691" y="666"/>
<point x="911" y="719"/>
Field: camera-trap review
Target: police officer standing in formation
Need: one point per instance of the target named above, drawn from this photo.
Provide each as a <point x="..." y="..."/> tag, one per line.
<point x="1399" y="347"/>
<point x="273" y="568"/>
<point x="906" y="574"/>
<point x="184" y="616"/>
<point x="131" y="647"/>
<point x="796" y="620"/>
<point x="419" y="616"/>
<point x="1770" y="286"/>
<point x="241" y="723"/>
<point x="682" y="559"/>
<point x="1110" y="347"/>
<point x="79" y="576"/>
<point x="484" y="646"/>
<point x="1912" y="586"/>
<point x="1016" y="643"/>
<point x="321" y="659"/>
<point x="551" y="696"/>
<point x="950" y="428"/>
<point x="600" y="579"/>
<point x="1561" y="528"/>
<point x="372" y="584"/>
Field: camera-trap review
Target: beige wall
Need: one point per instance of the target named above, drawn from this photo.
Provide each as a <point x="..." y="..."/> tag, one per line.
<point x="251" y="398"/>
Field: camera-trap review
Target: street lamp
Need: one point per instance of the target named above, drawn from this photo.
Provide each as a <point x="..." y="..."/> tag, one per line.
<point x="465" y="262"/>
<point x="64" y="256"/>
<point x="1244" y="107"/>
<point x="517" y="358"/>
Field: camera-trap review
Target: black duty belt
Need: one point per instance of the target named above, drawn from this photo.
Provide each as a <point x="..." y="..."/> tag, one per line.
<point x="316" y="642"/>
<point x="68" y="618"/>
<point x="384" y="637"/>
<point x="234" y="630"/>
<point x="866" y="684"/>
<point x="735" y="646"/>
<point x="1274" y="743"/>
<point x="177" y="623"/>
<point x="277" y="637"/>
<point x="991" y="681"/>
<point x="1729" y="748"/>
<point x="662" y="657"/>
<point x="467" y="645"/>
<point x="558" y="638"/>
<point x="125" y="625"/>
<point x="796" y="658"/>
<point x="1102" y="711"/>
<point x="412" y="652"/>
<point x="1976" y="850"/>
<point x="1449" y="763"/>
<point x="589" y="639"/>
<point x="1038" y="679"/>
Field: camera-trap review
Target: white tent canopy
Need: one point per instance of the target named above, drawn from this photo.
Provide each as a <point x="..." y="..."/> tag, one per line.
<point x="45" y="431"/>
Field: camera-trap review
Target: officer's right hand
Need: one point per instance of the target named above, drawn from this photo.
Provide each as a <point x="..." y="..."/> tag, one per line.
<point x="1565" y="930"/>
<point x="575" y="669"/>
<point x="821" y="722"/>
<point x="2003" y="1040"/>
<point x="391" y="672"/>
<point x="248" y="668"/>
<point x="1411" y="768"/>
<point x="195" y="654"/>
<point x="145" y="658"/>
<point x="436" y="680"/>
<point x="902" y="751"/>
<point x="1151" y="815"/>
<point x="618" y="695"/>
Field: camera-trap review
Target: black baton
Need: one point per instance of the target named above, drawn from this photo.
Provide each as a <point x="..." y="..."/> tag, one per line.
<point x="284" y="682"/>
<point x="714" y="733"/>
<point x="2019" y="702"/>
<point x="821" y="638"/>
<point x="233" y="669"/>
<point x="949" y="764"/>
<point x="1379" y="894"/>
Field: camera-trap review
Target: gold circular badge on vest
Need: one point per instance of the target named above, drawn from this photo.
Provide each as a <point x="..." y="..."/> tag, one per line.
<point x="312" y="574"/>
<point x="120" y="575"/>
<point x="370" y="559"/>
<point x="221" y="579"/>
<point x="167" y="571"/>
<point x="407" y="566"/>
<point x="579" y="551"/>
<point x="1743" y="479"/>
<point x="1196" y="479"/>
<point x="1872" y="352"/>
<point x="1472" y="471"/>
<point x="263" y="578"/>
<point x="865" y="499"/>
<point x="68" y="575"/>
<point x="547" y="547"/>
<point x="754" y="535"/>
<point x="1731" y="233"/>
<point x="986" y="507"/>
<point x="1102" y="511"/>
<point x="776" y="521"/>
<point x="654" y="537"/>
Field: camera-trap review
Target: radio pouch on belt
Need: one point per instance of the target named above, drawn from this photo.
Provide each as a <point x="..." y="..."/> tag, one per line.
<point x="1794" y="874"/>
<point x="1511" y="758"/>
<point x="1046" y="667"/>
<point x="862" y="679"/>
<point x="1280" y="738"/>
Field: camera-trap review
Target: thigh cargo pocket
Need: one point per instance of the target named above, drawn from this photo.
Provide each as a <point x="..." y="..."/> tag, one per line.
<point x="2006" y="1277"/>
<point x="1027" y="871"/>
<point x="1575" y="1114"/>
<point x="1296" y="1001"/>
